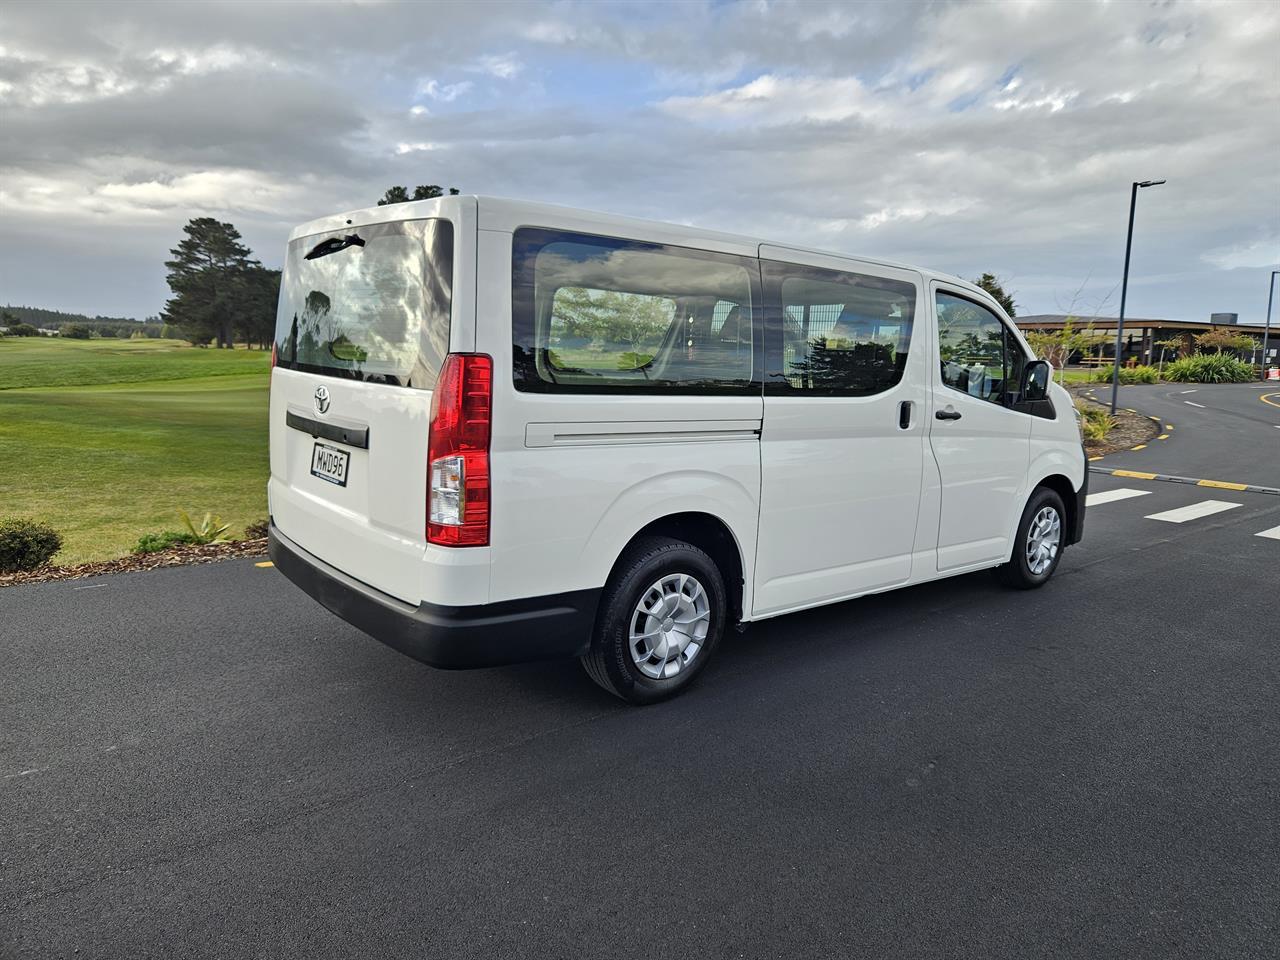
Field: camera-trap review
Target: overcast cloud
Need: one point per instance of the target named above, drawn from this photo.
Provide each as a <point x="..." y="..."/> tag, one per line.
<point x="969" y="138"/>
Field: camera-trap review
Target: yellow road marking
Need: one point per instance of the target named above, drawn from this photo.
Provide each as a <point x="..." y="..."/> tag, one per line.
<point x="1163" y="436"/>
<point x="1264" y="399"/>
<point x="265" y="563"/>
<point x="1141" y="446"/>
<point x="1137" y="475"/>
<point x="1222" y="484"/>
<point x="1168" y="426"/>
<point x="1095" y="458"/>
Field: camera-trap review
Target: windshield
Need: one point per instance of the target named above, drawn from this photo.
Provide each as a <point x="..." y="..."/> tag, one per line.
<point x="368" y="303"/>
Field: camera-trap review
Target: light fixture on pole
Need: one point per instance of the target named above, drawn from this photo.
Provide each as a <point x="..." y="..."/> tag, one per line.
<point x="1124" y="289"/>
<point x="1266" y="331"/>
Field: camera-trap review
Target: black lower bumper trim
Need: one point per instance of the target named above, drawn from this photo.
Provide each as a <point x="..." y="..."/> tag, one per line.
<point x="487" y="635"/>
<point x="1076" y="534"/>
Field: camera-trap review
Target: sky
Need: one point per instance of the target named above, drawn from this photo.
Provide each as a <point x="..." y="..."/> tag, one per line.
<point x="968" y="138"/>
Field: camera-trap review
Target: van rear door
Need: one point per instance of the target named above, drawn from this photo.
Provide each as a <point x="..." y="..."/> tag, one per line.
<point x="363" y="328"/>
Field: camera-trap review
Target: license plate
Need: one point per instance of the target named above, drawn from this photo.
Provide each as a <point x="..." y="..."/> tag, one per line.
<point x="330" y="463"/>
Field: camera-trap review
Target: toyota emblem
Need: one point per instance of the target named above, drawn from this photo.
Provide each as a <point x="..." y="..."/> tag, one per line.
<point x="322" y="399"/>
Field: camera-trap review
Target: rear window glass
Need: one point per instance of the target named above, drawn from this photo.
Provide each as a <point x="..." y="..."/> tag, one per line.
<point x="610" y="315"/>
<point x="372" y="303"/>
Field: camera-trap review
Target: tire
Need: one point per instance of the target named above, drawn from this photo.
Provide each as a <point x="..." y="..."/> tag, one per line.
<point x="1046" y="519"/>
<point x="681" y="588"/>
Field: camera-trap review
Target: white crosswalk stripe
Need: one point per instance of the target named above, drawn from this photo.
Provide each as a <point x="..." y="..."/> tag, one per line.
<point x="1192" y="511"/>
<point x="1205" y="508"/>
<point x="1111" y="496"/>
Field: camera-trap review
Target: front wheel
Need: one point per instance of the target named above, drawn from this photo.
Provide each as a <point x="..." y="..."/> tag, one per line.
<point x="1038" y="545"/>
<point x="661" y="618"/>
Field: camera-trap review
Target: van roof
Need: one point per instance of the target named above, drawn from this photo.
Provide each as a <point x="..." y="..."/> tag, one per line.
<point x="504" y="213"/>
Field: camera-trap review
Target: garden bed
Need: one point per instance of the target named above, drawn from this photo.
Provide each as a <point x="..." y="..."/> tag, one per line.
<point x="172" y="557"/>
<point x="1131" y="429"/>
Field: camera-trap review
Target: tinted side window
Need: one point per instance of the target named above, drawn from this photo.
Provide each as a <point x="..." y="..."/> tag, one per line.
<point x="599" y="314"/>
<point x="840" y="333"/>
<point x="979" y="356"/>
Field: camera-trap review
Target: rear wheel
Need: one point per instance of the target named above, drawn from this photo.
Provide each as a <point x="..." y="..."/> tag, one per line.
<point x="661" y="618"/>
<point x="1038" y="545"/>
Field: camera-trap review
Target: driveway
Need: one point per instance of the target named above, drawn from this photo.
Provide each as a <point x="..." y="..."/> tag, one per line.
<point x="201" y="762"/>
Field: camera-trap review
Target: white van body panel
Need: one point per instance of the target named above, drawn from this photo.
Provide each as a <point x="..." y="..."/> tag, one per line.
<point x="581" y="474"/>
<point x="508" y="216"/>
<point x="1053" y="442"/>
<point x="841" y="479"/>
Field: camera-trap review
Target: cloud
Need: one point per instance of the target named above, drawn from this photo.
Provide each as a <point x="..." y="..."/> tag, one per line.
<point x="503" y="66"/>
<point x="968" y="138"/>
<point x="444" y="92"/>
<point x="1249" y="253"/>
<point x="774" y="100"/>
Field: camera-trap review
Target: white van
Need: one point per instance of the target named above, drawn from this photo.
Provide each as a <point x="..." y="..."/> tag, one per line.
<point x="506" y="431"/>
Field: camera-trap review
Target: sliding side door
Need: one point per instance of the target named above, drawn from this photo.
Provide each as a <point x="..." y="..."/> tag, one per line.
<point x="843" y="441"/>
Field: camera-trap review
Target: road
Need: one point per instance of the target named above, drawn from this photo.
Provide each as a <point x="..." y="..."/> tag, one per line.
<point x="1215" y="427"/>
<point x="201" y="762"/>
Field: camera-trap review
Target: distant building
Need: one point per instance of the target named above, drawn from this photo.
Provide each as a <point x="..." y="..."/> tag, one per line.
<point x="1143" y="333"/>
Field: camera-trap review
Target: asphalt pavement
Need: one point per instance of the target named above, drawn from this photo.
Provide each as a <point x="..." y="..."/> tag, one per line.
<point x="202" y="762"/>
<point x="1214" y="428"/>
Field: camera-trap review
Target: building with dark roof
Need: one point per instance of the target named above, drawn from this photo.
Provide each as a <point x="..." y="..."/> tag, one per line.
<point x="1143" y="333"/>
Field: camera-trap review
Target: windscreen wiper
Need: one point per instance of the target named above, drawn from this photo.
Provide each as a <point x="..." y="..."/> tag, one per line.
<point x="333" y="245"/>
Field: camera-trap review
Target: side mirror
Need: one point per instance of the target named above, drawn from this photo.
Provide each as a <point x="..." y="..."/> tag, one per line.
<point x="1035" y="380"/>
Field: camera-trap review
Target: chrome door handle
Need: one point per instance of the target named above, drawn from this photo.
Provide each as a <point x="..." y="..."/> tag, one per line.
<point x="947" y="413"/>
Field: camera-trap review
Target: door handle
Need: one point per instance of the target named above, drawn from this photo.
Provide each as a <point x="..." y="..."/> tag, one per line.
<point x="904" y="415"/>
<point x="947" y="413"/>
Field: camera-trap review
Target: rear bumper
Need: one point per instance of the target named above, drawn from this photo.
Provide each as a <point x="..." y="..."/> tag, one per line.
<point x="513" y="631"/>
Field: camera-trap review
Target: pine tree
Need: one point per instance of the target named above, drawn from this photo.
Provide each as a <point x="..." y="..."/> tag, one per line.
<point x="208" y="278"/>
<point x="989" y="283"/>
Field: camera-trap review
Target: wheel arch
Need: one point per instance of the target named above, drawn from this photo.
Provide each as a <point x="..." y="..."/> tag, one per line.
<point x="1062" y="486"/>
<point x="710" y="534"/>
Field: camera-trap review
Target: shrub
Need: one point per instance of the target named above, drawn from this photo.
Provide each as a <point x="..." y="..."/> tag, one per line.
<point x="26" y="544"/>
<point x="1095" y="421"/>
<point x="23" y="330"/>
<point x="155" y="542"/>
<point x="257" y="530"/>
<point x="210" y="530"/>
<point x="1209" y="368"/>
<point x="1128" y="375"/>
<point x="75" y="331"/>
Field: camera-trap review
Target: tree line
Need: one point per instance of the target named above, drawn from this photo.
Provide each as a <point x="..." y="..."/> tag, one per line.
<point x="24" y="321"/>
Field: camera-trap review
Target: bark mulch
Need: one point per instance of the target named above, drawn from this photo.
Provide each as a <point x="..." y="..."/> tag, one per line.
<point x="1130" y="430"/>
<point x="173" y="557"/>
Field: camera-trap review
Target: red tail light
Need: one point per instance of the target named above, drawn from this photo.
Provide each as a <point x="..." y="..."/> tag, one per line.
<point x="273" y="356"/>
<point x="458" y="452"/>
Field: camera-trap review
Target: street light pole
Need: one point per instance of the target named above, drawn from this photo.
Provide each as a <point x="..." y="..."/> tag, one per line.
<point x="1124" y="289"/>
<point x="1266" y="331"/>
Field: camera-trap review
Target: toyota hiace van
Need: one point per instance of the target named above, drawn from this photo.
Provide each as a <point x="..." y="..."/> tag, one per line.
<point x="507" y="431"/>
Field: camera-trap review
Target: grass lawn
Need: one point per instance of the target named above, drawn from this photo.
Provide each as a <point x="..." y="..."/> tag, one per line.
<point x="182" y="428"/>
<point x="1074" y="375"/>
<point x="54" y="362"/>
